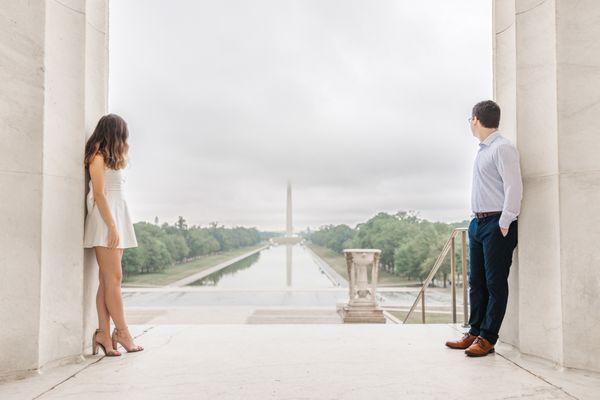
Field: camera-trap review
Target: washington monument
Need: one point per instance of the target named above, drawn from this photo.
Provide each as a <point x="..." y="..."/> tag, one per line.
<point x="289" y="237"/>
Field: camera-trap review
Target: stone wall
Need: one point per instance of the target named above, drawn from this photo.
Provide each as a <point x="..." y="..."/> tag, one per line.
<point x="53" y="78"/>
<point x="547" y="80"/>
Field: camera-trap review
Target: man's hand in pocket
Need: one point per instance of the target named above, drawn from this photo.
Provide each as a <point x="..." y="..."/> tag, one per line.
<point x="504" y="231"/>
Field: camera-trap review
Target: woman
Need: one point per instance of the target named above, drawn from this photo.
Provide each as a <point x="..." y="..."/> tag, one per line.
<point x="108" y="229"/>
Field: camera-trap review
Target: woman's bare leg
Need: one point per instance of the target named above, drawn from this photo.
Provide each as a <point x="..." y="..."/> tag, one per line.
<point x="109" y="261"/>
<point x="103" y="316"/>
<point x="111" y="273"/>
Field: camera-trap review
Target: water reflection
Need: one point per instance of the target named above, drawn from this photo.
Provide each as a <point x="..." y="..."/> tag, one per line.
<point x="283" y="266"/>
<point x="214" y="278"/>
<point x="288" y="264"/>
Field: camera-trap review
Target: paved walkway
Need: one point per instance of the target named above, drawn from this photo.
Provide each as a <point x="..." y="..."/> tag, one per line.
<point x="328" y="269"/>
<point x="293" y="297"/>
<point x="302" y="362"/>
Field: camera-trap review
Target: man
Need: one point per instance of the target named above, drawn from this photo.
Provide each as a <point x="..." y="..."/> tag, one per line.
<point x="496" y="202"/>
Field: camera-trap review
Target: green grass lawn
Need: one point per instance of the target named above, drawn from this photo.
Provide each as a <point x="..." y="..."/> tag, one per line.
<point x="338" y="262"/>
<point x="180" y="271"/>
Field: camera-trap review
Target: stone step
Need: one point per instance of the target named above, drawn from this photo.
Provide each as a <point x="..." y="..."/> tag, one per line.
<point x="301" y="316"/>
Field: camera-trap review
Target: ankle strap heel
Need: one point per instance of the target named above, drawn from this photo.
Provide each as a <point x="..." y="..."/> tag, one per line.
<point x="117" y="338"/>
<point x="96" y="344"/>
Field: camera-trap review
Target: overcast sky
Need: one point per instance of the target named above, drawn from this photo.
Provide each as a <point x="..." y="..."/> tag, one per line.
<point x="363" y="105"/>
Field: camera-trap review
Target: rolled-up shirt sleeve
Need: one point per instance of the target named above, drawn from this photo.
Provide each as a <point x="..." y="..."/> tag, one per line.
<point x="510" y="171"/>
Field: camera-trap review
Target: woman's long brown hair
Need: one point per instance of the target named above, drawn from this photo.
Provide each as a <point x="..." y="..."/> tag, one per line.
<point x="110" y="140"/>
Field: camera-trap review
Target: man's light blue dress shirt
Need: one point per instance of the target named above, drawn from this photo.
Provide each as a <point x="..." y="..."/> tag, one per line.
<point x="497" y="184"/>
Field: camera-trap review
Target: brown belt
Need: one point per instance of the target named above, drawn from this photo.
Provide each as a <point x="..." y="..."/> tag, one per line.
<point x="487" y="214"/>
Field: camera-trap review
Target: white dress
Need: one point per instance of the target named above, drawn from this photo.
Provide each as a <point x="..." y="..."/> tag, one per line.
<point x="96" y="230"/>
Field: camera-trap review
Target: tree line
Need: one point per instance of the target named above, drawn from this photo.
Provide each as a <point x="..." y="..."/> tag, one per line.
<point x="162" y="246"/>
<point x="409" y="245"/>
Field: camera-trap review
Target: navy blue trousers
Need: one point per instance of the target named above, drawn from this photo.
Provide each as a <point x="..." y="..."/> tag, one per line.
<point x="490" y="260"/>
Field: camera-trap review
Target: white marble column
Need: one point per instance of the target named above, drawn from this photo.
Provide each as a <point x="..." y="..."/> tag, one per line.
<point x="96" y="104"/>
<point x="505" y="93"/>
<point x="53" y="65"/>
<point x="578" y="104"/>
<point x="540" y="322"/>
<point x="547" y="69"/>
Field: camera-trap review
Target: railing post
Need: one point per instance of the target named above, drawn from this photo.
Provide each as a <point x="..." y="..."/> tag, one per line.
<point x="434" y="270"/>
<point x="423" y="305"/>
<point x="450" y="244"/>
<point x="465" y="278"/>
<point x="453" y="277"/>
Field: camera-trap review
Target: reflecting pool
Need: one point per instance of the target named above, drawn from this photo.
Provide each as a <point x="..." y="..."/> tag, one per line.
<point x="282" y="266"/>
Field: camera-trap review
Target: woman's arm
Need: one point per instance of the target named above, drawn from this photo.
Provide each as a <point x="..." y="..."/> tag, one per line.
<point x="97" y="176"/>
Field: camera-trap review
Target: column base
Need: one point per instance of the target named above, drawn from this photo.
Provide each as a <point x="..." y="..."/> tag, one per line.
<point x="353" y="314"/>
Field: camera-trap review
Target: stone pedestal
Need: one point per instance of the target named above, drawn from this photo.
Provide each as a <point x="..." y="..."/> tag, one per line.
<point x="362" y="304"/>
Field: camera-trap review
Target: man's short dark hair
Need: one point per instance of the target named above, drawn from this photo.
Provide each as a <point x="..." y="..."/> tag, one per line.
<point x="488" y="113"/>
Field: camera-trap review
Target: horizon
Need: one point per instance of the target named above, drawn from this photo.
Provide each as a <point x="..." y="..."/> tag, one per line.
<point x="283" y="230"/>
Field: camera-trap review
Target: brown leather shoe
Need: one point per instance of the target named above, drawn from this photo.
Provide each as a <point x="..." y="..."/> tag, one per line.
<point x="462" y="343"/>
<point x="480" y="347"/>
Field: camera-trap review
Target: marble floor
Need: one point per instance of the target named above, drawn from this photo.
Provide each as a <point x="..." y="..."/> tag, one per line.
<point x="304" y="361"/>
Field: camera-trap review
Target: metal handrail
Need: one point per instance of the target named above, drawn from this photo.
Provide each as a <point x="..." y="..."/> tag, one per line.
<point x="449" y="245"/>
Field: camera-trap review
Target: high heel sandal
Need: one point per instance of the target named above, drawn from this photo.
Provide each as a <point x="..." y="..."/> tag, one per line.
<point x="96" y="344"/>
<point x="115" y="339"/>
